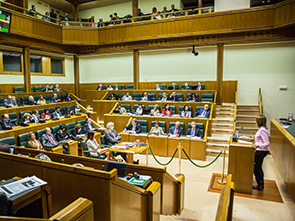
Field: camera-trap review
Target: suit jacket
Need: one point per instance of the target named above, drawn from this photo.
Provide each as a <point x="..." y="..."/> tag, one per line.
<point x="171" y="98"/>
<point x="179" y="131"/>
<point x="56" y="114"/>
<point x="197" y="132"/>
<point x="35" y="119"/>
<point x="45" y="89"/>
<point x="46" y="141"/>
<point x="87" y="128"/>
<point x="137" y="128"/>
<point x="99" y="88"/>
<point x="207" y="114"/>
<point x="3" y="125"/>
<point x="111" y="138"/>
<point x="202" y="87"/>
<point x="75" y="132"/>
<point x="68" y="99"/>
<point x="60" y="136"/>
<point x="6" y="103"/>
<point x="23" y="120"/>
<point x="54" y="100"/>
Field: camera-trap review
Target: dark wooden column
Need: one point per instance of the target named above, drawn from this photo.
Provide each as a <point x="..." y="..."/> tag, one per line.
<point x="76" y="10"/>
<point x="219" y="77"/>
<point x="27" y="69"/>
<point x="134" y="8"/>
<point x="76" y="75"/>
<point x="136" y="69"/>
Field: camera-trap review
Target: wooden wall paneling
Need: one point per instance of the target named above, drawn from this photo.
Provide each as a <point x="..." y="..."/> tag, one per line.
<point x="81" y="36"/>
<point x="76" y="74"/>
<point x="8" y="88"/>
<point x="283" y="13"/>
<point x="26" y="69"/>
<point x="229" y="89"/>
<point x="103" y="107"/>
<point x="94" y="95"/>
<point x="120" y="122"/>
<point x="219" y="77"/>
<point x="136" y="69"/>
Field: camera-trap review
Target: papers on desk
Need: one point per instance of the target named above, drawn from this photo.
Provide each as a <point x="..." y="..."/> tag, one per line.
<point x="17" y="187"/>
<point x="194" y="137"/>
<point x="243" y="141"/>
<point x="176" y="115"/>
<point x="81" y="135"/>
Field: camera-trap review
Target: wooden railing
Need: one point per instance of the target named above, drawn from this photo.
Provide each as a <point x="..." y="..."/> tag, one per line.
<point x="260" y="102"/>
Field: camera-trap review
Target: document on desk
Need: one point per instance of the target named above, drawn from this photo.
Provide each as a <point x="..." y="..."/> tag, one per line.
<point x="243" y="141"/>
<point x="17" y="187"/>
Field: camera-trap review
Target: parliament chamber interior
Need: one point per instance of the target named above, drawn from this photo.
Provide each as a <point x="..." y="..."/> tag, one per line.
<point x="147" y="110"/>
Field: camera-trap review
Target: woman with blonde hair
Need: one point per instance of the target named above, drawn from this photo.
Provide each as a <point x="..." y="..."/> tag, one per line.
<point x="164" y="97"/>
<point x="33" y="142"/>
<point x="155" y="110"/>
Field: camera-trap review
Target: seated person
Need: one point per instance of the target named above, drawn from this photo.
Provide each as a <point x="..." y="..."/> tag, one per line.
<point x="77" y="130"/>
<point x="4" y="148"/>
<point x="68" y="112"/>
<point x="200" y="86"/>
<point x="51" y="88"/>
<point x="110" y="88"/>
<point x="157" y="87"/>
<point x="57" y="113"/>
<point x="26" y="119"/>
<point x="77" y="109"/>
<point x="193" y="97"/>
<point x="68" y="97"/>
<point x="173" y="97"/>
<point x="5" y="122"/>
<point x="157" y="129"/>
<point x="112" y="137"/>
<point x="204" y="112"/>
<point x="99" y="87"/>
<point x="174" y="87"/>
<point x="54" y="98"/>
<point x="31" y="101"/>
<point x="35" y="117"/>
<point x="33" y="142"/>
<point x="41" y="100"/>
<point x="164" y="97"/>
<point x="155" y="110"/>
<point x="167" y="111"/>
<point x="46" y="88"/>
<point x="14" y="99"/>
<point x="186" y="87"/>
<point x="88" y="126"/>
<point x="46" y="114"/>
<point x="145" y="97"/>
<point x="139" y="110"/>
<point x="62" y="134"/>
<point x="134" y="127"/>
<point x="57" y="88"/>
<point x="116" y="87"/>
<point x="93" y="145"/>
<point x="121" y="110"/>
<point x="193" y="131"/>
<point x="186" y="112"/>
<point x="127" y="97"/>
<point x="176" y="130"/>
<point x="9" y="102"/>
<point x="48" y="139"/>
<point x="113" y="97"/>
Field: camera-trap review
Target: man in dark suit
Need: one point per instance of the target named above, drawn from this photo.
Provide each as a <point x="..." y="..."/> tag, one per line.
<point x="54" y="98"/>
<point x="99" y="87"/>
<point x="204" y="112"/>
<point x="176" y="130"/>
<point x="35" y="117"/>
<point x="193" y="131"/>
<point x="9" y="102"/>
<point x="56" y="113"/>
<point x="174" y="87"/>
<point x="5" y="122"/>
<point x="88" y="126"/>
<point x="173" y="97"/>
<point x="48" y="139"/>
<point x="46" y="88"/>
<point x="200" y="86"/>
<point x="134" y="126"/>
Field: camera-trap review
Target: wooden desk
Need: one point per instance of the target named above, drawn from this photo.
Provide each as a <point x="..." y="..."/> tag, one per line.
<point x="241" y="166"/>
<point x="173" y="143"/>
<point x="141" y="137"/>
<point x="197" y="149"/>
<point x="72" y="147"/>
<point x="159" y="144"/>
<point x="129" y="152"/>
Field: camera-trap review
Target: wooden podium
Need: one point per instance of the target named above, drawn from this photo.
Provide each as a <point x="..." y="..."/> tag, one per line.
<point x="241" y="166"/>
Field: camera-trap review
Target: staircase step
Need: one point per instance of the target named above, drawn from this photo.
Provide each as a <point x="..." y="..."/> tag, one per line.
<point x="222" y="131"/>
<point x="246" y="124"/>
<point x="223" y="120"/>
<point x="226" y="105"/>
<point x="225" y="109"/>
<point x="246" y="118"/>
<point x="218" y="140"/>
<point x="224" y="135"/>
<point x="248" y="107"/>
<point x="248" y="112"/>
<point x="225" y="114"/>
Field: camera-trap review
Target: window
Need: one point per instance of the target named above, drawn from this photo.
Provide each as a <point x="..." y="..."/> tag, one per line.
<point x="12" y="62"/>
<point x="36" y="64"/>
<point x="56" y="66"/>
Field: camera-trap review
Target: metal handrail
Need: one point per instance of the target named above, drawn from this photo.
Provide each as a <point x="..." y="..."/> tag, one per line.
<point x="260" y="102"/>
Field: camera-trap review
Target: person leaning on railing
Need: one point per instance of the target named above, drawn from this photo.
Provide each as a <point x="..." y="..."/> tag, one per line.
<point x="33" y="11"/>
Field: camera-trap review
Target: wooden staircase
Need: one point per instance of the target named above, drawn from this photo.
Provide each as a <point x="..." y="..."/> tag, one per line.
<point x="222" y="129"/>
<point x="246" y="119"/>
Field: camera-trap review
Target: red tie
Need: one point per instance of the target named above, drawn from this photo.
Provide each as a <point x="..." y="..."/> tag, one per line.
<point x="175" y="132"/>
<point x="52" y="141"/>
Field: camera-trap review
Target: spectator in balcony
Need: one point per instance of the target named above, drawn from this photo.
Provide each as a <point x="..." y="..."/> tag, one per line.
<point x="204" y="112"/>
<point x="112" y="19"/>
<point x="41" y="100"/>
<point x="140" y="13"/>
<point x="91" y="21"/>
<point x="117" y="18"/>
<point x="186" y="112"/>
<point x="164" y="97"/>
<point x="167" y="111"/>
<point x="186" y="87"/>
<point x="31" y="101"/>
<point x="9" y="102"/>
<point x="116" y="87"/>
<point x="46" y="114"/>
<point x="155" y="111"/>
<point x="193" y="97"/>
<point x="110" y="88"/>
<point x="54" y="98"/>
<point x="46" y="88"/>
<point x="200" y="86"/>
<point x="57" y="88"/>
<point x="156" y="13"/>
<point x="145" y="97"/>
<point x="57" y="19"/>
<point x="100" y="23"/>
<point x="173" y="97"/>
<point x="33" y="11"/>
<point x="127" y="97"/>
<point x="181" y="13"/>
<point x="157" y="87"/>
<point x="46" y="17"/>
<point x="66" y="18"/>
<point x="173" y="9"/>
<point x="165" y="11"/>
<point x="99" y="87"/>
<point x="79" y="24"/>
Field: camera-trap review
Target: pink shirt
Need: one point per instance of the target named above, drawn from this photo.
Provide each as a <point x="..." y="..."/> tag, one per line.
<point x="262" y="139"/>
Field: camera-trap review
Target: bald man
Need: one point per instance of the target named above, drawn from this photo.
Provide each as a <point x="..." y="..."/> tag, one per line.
<point x="9" y="102"/>
<point x="204" y="112"/>
<point x="48" y="139"/>
<point x="5" y="122"/>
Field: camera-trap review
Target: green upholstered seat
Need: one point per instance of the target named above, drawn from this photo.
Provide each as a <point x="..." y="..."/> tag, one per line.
<point x="54" y="130"/>
<point x="39" y="134"/>
<point x="18" y="90"/>
<point x="199" y="108"/>
<point x="135" y="106"/>
<point x="38" y="89"/>
<point x="22" y="140"/>
<point x="62" y="109"/>
<point x="36" y="98"/>
<point x="82" y="122"/>
<point x="51" y="110"/>
<point x="13" y="119"/>
<point x="103" y="87"/>
<point x="152" y="96"/>
<point x="180" y="96"/>
<point x="207" y="98"/>
<point x="127" y="107"/>
<point x="8" y="140"/>
<point x="172" y="124"/>
<point x="59" y="97"/>
<point x="24" y="100"/>
<point x="150" y="107"/>
<point x="173" y="109"/>
<point x="2" y="102"/>
<point x="161" y="124"/>
<point x="130" y="87"/>
<point x="86" y="152"/>
<point x="104" y="144"/>
<point x="121" y="87"/>
<point x="40" y="111"/>
<point x="181" y="109"/>
<point x="48" y="98"/>
<point x="163" y="86"/>
<point x="182" y="86"/>
<point x="144" y="126"/>
<point x="21" y="114"/>
<point x="70" y="127"/>
<point x="137" y="96"/>
<point x="72" y="107"/>
<point x="200" y="126"/>
<point x="170" y="86"/>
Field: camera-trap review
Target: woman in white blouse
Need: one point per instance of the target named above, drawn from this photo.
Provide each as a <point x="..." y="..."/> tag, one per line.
<point x="92" y="145"/>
